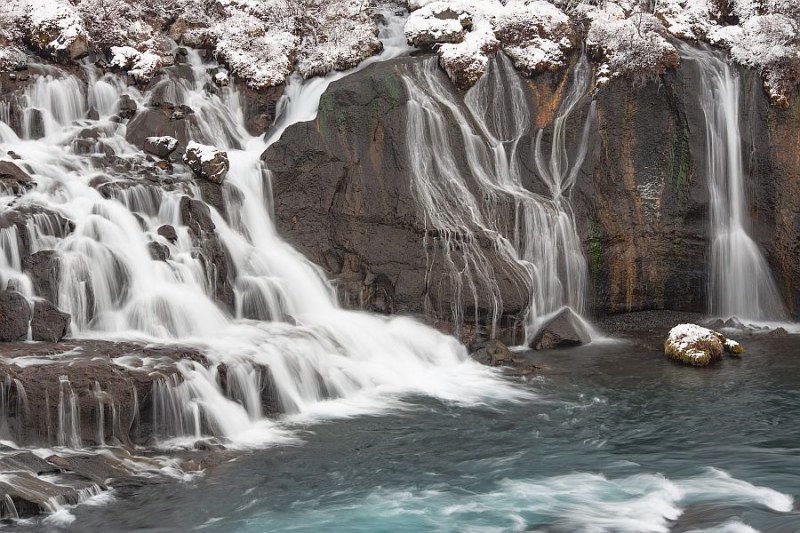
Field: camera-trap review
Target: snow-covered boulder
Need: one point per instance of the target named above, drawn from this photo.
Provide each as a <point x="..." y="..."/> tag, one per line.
<point x="160" y="146"/>
<point x="56" y="28"/>
<point x="206" y="162"/>
<point x="698" y="346"/>
<point x="142" y="66"/>
<point x="12" y="58"/>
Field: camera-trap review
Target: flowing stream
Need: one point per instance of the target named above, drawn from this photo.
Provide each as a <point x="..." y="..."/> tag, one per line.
<point x="740" y="281"/>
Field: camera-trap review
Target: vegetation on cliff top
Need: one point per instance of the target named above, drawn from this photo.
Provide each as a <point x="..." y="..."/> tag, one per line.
<point x="264" y="41"/>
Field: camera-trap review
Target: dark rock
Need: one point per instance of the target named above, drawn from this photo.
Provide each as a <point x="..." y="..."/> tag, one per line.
<point x="13" y="178"/>
<point x="168" y="232"/>
<point x="127" y="107"/>
<point x="27" y="461"/>
<point x="196" y="216"/>
<point x="32" y="496"/>
<point x="206" y="162"/>
<point x="160" y="146"/>
<point x="44" y="269"/>
<point x="563" y="330"/>
<point x="15" y="315"/>
<point x="158" y="251"/>
<point x="97" y="468"/>
<point x="49" y="324"/>
<point x="493" y="353"/>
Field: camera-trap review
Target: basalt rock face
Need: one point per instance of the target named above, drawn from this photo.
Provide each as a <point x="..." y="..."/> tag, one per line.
<point x="343" y="196"/>
<point x="343" y="193"/>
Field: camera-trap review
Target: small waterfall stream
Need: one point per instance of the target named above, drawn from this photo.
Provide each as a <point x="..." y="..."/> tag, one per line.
<point x="464" y="206"/>
<point x="740" y="281"/>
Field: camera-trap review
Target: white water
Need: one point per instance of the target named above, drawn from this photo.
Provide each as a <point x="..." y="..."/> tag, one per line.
<point x="330" y="363"/>
<point x="463" y="206"/>
<point x="740" y="282"/>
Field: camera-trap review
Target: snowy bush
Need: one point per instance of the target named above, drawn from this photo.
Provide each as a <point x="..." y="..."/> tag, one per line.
<point x="535" y="34"/>
<point x="634" y="47"/>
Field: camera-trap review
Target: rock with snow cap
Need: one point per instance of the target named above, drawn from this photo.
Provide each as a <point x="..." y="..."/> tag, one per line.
<point x="206" y="162"/>
<point x="698" y="346"/>
<point x="160" y="146"/>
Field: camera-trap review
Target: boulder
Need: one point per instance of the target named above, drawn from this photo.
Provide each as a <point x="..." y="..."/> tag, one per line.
<point x="158" y="251"/>
<point x="32" y="495"/>
<point x="698" y="346"/>
<point x="493" y="353"/>
<point x="206" y="162"/>
<point x="127" y="107"/>
<point x="160" y="146"/>
<point x="168" y="232"/>
<point x="13" y="178"/>
<point x="97" y="468"/>
<point x="563" y="330"/>
<point x="197" y="216"/>
<point x="15" y="314"/>
<point x="44" y="269"/>
<point x="49" y="323"/>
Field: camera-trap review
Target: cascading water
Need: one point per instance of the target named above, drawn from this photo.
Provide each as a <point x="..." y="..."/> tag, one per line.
<point x="533" y="234"/>
<point x="740" y="281"/>
<point x="321" y="359"/>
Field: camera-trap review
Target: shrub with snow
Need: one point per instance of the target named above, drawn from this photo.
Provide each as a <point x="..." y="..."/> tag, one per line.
<point x="534" y="33"/>
<point x="634" y="47"/>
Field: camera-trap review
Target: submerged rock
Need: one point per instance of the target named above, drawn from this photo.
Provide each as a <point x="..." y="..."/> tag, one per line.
<point x="206" y="162"/>
<point x="565" y="329"/>
<point x="698" y="346"/>
<point x="49" y="323"/>
<point x="15" y="314"/>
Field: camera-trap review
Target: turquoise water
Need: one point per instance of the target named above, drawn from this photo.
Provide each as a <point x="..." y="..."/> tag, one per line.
<point x="615" y="438"/>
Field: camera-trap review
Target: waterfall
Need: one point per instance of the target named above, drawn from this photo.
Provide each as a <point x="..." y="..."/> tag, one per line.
<point x="464" y="206"/>
<point x="740" y="282"/>
<point x="321" y="360"/>
<point x="69" y="425"/>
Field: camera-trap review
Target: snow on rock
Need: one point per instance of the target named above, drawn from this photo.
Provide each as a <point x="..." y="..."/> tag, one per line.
<point x="634" y="47"/>
<point x="53" y="27"/>
<point x="12" y="58"/>
<point x="142" y="66"/>
<point x="535" y="34"/>
<point x="698" y="346"/>
<point x="688" y="19"/>
<point x="160" y="146"/>
<point x="206" y="162"/>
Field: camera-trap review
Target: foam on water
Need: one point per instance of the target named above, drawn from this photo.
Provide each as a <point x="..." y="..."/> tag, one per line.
<point x="642" y="503"/>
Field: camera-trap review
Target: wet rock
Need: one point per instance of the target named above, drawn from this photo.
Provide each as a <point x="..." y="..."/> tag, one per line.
<point x="168" y="232"/>
<point x="196" y="216"/>
<point x="206" y="162"/>
<point x="160" y="146"/>
<point x="27" y="461"/>
<point x="32" y="496"/>
<point x="44" y="270"/>
<point x="127" y="107"/>
<point x="563" y="330"/>
<point x="97" y="468"/>
<point x="158" y="251"/>
<point x="15" y="315"/>
<point x="49" y="323"/>
<point x="493" y="353"/>
<point x="13" y="178"/>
